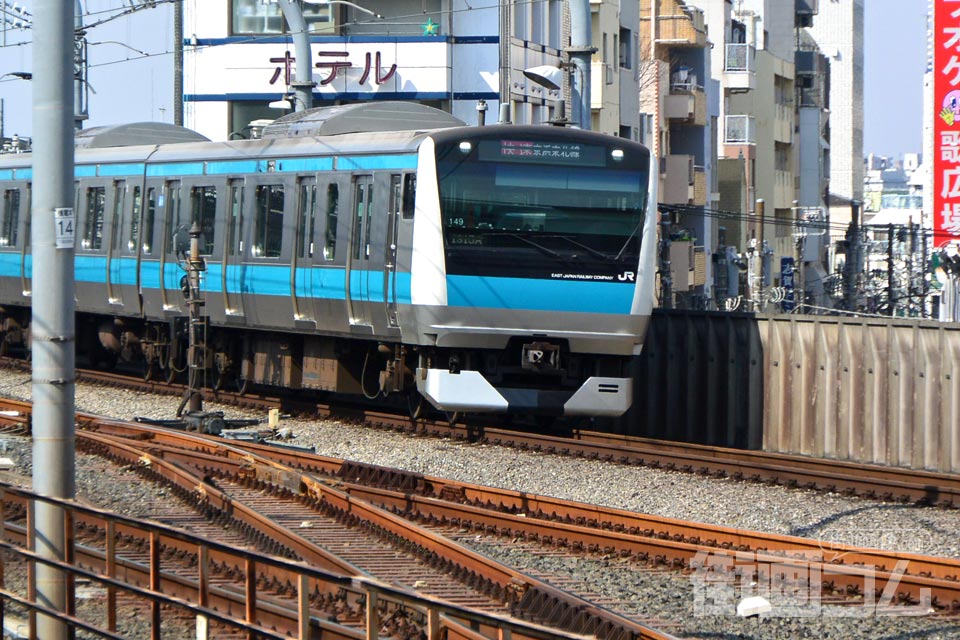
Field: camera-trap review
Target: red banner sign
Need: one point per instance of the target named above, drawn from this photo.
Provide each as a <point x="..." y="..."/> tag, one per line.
<point x="946" y="128"/>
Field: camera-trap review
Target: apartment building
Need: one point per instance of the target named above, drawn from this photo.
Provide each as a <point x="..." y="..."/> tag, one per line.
<point x="678" y="92"/>
<point x="838" y="33"/>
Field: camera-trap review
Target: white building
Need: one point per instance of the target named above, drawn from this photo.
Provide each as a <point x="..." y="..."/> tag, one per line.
<point x="838" y="31"/>
<point x="239" y="57"/>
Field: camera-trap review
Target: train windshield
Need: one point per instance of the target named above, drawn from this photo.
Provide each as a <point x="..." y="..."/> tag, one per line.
<point x="541" y="208"/>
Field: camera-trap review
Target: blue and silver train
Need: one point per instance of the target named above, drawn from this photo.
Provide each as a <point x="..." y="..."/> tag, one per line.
<point x="375" y="249"/>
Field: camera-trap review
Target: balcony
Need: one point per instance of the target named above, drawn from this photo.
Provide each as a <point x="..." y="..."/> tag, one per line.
<point x="686" y="104"/>
<point x="805" y="10"/>
<point x="740" y="67"/>
<point x="739" y="130"/>
<point x="784" y="189"/>
<point x="783" y="124"/>
<point x="679" y="188"/>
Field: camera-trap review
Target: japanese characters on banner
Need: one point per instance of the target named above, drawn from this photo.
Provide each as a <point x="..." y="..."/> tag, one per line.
<point x="946" y="128"/>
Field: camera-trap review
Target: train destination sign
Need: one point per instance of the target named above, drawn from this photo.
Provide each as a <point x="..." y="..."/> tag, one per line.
<point x="539" y="151"/>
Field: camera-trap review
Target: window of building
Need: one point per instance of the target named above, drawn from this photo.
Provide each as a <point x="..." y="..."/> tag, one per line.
<point x="93" y="229"/>
<point x="11" y="217"/>
<point x="268" y="223"/>
<point x="203" y="212"/>
<point x="259" y="17"/>
<point x="626" y="52"/>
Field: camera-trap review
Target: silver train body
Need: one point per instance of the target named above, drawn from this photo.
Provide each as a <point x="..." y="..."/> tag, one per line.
<point x="485" y="269"/>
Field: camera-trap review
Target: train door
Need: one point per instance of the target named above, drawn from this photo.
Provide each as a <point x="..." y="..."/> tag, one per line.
<point x="232" y="273"/>
<point x="11" y="238"/>
<point x="301" y="265"/>
<point x="26" y="264"/>
<point x="390" y="251"/>
<point x="115" y="262"/>
<point x="170" y="272"/>
<point x="359" y="261"/>
<point x="146" y="242"/>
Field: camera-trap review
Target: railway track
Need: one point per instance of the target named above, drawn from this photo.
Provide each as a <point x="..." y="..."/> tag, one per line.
<point x="879" y="482"/>
<point x="581" y="528"/>
<point x="298" y="517"/>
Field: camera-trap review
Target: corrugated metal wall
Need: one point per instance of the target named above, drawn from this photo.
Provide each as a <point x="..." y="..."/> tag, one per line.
<point x="699" y="379"/>
<point x="868" y="390"/>
<point x="885" y="391"/>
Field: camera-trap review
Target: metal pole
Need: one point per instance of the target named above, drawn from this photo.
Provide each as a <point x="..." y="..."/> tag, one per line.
<point x="79" y="69"/>
<point x="197" y="348"/>
<point x="303" y="83"/>
<point x="580" y="53"/>
<point x="891" y="294"/>
<point x="178" y="63"/>
<point x="53" y="325"/>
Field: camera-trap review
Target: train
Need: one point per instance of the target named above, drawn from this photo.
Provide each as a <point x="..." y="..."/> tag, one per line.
<point x="375" y="249"/>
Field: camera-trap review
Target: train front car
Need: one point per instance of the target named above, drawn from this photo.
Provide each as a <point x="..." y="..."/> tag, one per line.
<point x="532" y="271"/>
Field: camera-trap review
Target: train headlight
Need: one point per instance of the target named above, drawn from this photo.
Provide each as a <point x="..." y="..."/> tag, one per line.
<point x="617" y="155"/>
<point x="465" y="147"/>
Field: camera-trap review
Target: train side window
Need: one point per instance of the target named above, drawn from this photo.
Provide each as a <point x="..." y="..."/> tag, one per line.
<point x="148" y="218"/>
<point x="268" y="230"/>
<point x="172" y="217"/>
<point x="306" y="220"/>
<point x="27" y="218"/>
<point x="409" y="194"/>
<point x="119" y="196"/>
<point x="396" y="193"/>
<point x="11" y="217"/>
<point x="135" y="220"/>
<point x="93" y="230"/>
<point x="235" y="240"/>
<point x="333" y="211"/>
<point x="203" y="212"/>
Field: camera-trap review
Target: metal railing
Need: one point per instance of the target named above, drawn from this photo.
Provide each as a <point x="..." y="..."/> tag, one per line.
<point x="739" y="129"/>
<point x="740" y="57"/>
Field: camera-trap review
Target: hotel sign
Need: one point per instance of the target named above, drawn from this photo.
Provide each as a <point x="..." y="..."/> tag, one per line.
<point x="946" y="128"/>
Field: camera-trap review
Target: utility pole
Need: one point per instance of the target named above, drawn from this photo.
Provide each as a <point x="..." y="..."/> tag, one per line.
<point x="581" y="53"/>
<point x="891" y="285"/>
<point x="303" y="83"/>
<point x="178" y="63"/>
<point x="81" y="91"/>
<point x="851" y="266"/>
<point x="53" y="324"/>
<point x="666" y="279"/>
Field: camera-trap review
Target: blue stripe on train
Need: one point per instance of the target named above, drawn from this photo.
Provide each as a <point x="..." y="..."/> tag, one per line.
<point x="540" y="295"/>
<point x="330" y="283"/>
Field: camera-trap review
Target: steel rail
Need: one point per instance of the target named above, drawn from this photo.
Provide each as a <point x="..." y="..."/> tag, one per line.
<point x="594" y="528"/>
<point x="525" y="593"/>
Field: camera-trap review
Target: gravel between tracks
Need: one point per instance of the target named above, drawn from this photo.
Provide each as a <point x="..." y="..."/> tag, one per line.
<point x="663" y="596"/>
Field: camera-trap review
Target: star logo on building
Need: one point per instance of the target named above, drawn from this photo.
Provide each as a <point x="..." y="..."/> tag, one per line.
<point x="430" y="28"/>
